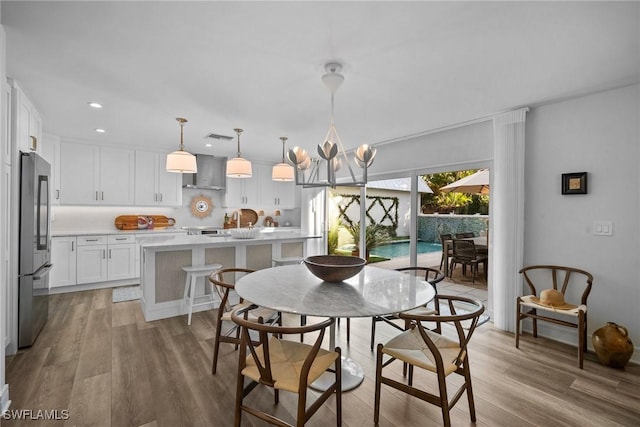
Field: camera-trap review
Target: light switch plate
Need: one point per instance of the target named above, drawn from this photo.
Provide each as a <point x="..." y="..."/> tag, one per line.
<point x="602" y="228"/>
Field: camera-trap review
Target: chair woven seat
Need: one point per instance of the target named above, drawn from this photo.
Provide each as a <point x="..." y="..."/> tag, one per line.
<point x="287" y="358"/>
<point x="528" y="300"/>
<point x="410" y="347"/>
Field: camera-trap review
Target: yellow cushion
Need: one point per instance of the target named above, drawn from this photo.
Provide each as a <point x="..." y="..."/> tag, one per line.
<point x="528" y="300"/>
<point x="287" y="358"/>
<point x="410" y="347"/>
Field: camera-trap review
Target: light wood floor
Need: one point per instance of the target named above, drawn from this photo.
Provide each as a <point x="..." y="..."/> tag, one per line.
<point x="107" y="366"/>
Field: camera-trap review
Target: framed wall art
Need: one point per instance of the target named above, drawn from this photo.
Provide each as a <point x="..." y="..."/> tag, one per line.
<point x="574" y="183"/>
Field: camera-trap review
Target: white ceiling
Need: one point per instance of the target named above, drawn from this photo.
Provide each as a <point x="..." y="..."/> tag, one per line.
<point x="409" y="67"/>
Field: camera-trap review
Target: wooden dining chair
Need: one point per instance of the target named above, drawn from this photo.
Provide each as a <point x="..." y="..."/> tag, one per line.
<point x="431" y="275"/>
<point x="571" y="283"/>
<point x="465" y="235"/>
<point x="434" y="352"/>
<point x="288" y="365"/>
<point x="447" y="252"/>
<point x="465" y="253"/>
<point x="223" y="284"/>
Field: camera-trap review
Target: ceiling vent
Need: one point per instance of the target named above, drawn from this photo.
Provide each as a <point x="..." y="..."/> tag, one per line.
<point x="218" y="137"/>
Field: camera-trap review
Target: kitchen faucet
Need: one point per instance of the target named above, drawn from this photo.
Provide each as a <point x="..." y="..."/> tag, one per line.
<point x="238" y="213"/>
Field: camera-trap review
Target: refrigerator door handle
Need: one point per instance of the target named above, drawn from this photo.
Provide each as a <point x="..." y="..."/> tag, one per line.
<point x="42" y="271"/>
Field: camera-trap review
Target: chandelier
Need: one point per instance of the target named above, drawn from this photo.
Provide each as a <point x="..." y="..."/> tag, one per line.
<point x="311" y="172"/>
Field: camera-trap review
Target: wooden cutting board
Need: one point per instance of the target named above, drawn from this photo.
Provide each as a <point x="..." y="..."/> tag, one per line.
<point x="143" y="222"/>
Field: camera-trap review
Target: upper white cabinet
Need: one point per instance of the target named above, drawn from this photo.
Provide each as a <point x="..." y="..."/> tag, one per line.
<point x="260" y="191"/>
<point x="50" y="151"/>
<point x="96" y="175"/>
<point x="280" y="195"/>
<point x="154" y="186"/>
<point x="243" y="192"/>
<point x="27" y="125"/>
<point x="7" y="114"/>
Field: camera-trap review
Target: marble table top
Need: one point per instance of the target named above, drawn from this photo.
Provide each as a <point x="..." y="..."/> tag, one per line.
<point x="374" y="291"/>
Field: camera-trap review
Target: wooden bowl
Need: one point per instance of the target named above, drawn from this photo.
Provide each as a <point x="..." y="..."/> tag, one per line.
<point x="334" y="268"/>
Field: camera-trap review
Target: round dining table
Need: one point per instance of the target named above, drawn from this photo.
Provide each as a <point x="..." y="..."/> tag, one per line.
<point x="372" y="292"/>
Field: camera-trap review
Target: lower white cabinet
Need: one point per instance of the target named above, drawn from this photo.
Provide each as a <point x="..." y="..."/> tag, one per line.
<point x="90" y="259"/>
<point x="63" y="258"/>
<point x="121" y="257"/>
<point x="83" y="259"/>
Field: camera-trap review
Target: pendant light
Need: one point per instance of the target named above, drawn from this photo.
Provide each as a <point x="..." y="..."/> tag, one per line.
<point x="238" y="167"/>
<point x="181" y="161"/>
<point x="283" y="171"/>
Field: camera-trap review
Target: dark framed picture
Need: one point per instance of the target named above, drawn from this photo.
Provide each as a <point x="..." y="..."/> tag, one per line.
<point x="574" y="183"/>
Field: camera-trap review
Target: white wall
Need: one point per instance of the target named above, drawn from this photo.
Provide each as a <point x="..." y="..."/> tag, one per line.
<point x="598" y="134"/>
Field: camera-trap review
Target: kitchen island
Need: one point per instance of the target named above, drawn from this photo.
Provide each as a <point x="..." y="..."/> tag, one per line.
<point x="162" y="258"/>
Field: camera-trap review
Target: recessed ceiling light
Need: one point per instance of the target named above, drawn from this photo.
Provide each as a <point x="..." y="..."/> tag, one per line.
<point x="208" y="145"/>
<point x="100" y="130"/>
<point x="95" y="105"/>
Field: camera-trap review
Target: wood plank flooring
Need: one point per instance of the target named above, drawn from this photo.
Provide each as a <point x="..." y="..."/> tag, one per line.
<point x="108" y="367"/>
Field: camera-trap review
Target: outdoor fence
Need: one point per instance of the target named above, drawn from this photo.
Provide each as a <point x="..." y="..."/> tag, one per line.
<point x="431" y="226"/>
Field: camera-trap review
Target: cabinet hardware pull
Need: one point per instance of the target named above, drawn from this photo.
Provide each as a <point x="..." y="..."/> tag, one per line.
<point x="72" y="246"/>
<point x="104" y="254"/>
<point x="155" y="197"/>
<point x="121" y="238"/>
<point x="102" y="195"/>
<point x="161" y="197"/>
<point x="97" y="196"/>
<point x="57" y="194"/>
<point x="109" y="253"/>
<point x="90" y="240"/>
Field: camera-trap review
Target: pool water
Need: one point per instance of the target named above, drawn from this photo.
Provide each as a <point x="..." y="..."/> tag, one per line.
<point x="398" y="249"/>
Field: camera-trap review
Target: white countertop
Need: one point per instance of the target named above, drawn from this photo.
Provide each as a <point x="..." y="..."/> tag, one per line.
<point x="214" y="240"/>
<point x="60" y="233"/>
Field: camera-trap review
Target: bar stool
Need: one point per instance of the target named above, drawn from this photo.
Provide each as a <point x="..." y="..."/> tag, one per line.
<point x="193" y="273"/>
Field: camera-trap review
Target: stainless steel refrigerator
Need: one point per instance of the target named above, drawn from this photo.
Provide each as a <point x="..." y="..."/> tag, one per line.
<point x="35" y="242"/>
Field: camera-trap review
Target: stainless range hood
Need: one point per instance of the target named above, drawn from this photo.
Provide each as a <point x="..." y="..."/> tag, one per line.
<point x="212" y="173"/>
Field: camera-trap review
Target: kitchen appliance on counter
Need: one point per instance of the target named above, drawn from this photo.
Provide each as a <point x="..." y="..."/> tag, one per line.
<point x="35" y="256"/>
<point x="197" y="230"/>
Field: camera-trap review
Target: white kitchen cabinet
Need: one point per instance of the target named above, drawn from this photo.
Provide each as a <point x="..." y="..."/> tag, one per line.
<point x="63" y="258"/>
<point x="7" y="114"/>
<point x="91" y="263"/>
<point x="50" y="151"/>
<point x="27" y="125"/>
<point x="121" y="257"/>
<point x="96" y="175"/>
<point x="276" y="194"/>
<point x="243" y="192"/>
<point x="5" y="252"/>
<point x="154" y="186"/>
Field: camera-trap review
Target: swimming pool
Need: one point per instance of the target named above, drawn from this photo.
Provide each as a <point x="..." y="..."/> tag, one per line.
<point x="398" y="249"/>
